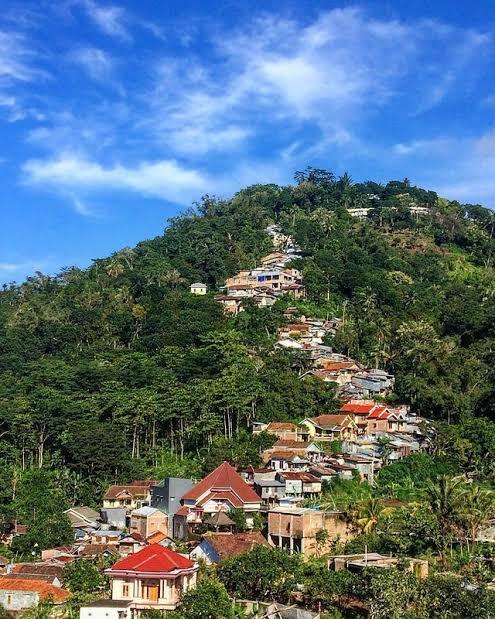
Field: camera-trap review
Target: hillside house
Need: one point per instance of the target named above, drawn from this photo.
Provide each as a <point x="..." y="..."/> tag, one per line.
<point x="148" y="520"/>
<point x="288" y="449"/>
<point x="223" y="489"/>
<point x="287" y="460"/>
<point x="128" y="497"/>
<point x="300" y="485"/>
<point x="271" y="491"/>
<point x="166" y="495"/>
<point x="329" y="428"/>
<point x="283" y="430"/>
<point x="199" y="288"/>
<point x="20" y="594"/>
<point x="153" y="578"/>
<point x="295" y="529"/>
<point x="216" y="547"/>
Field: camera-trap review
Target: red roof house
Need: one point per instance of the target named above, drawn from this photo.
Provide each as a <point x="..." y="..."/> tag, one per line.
<point x="223" y="489"/>
<point x="153" y="577"/>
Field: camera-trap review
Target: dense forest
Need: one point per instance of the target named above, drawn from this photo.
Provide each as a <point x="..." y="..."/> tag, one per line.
<point x="117" y="371"/>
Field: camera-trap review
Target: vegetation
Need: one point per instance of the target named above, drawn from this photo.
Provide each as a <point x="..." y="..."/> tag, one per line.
<point x="117" y="372"/>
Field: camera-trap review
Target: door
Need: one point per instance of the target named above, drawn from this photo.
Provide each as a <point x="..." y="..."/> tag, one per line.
<point x="153" y="592"/>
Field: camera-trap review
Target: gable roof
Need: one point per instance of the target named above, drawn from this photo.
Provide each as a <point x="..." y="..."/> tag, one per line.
<point x="228" y="545"/>
<point x="294" y="445"/>
<point x="329" y="422"/>
<point x="44" y="589"/>
<point x="299" y="476"/>
<point x="224" y="479"/>
<point x="152" y="558"/>
<point x="138" y="491"/>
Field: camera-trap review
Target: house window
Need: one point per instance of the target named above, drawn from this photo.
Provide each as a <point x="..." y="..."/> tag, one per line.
<point x="9" y="599"/>
<point x="125" y="591"/>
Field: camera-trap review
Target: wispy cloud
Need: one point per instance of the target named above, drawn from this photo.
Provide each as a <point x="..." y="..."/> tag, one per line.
<point x="110" y="19"/>
<point x="97" y="63"/>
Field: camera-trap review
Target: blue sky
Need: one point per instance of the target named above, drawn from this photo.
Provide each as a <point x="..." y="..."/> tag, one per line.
<point x="116" y="115"/>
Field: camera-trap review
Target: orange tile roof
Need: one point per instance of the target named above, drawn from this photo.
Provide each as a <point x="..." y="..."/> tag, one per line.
<point x="157" y="537"/>
<point x="281" y="425"/>
<point x="45" y="590"/>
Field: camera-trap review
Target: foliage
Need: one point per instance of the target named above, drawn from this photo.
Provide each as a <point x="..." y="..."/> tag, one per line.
<point x="82" y="576"/>
<point x="208" y="600"/>
<point x="262" y="573"/>
<point x="238" y="516"/>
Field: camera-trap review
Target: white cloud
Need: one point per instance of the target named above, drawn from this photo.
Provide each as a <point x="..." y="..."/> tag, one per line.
<point x="97" y="63"/>
<point x="164" y="179"/>
<point x="332" y="73"/>
<point x="112" y="20"/>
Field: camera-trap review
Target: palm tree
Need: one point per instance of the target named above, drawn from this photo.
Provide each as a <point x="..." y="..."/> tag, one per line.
<point x="446" y="497"/>
<point x="478" y="506"/>
<point x="369" y="512"/>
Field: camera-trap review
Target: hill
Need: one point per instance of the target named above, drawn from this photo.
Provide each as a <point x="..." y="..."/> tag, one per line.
<point x="106" y="372"/>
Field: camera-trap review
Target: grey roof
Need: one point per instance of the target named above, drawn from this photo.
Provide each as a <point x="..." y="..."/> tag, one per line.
<point x="144" y="511"/>
<point x="199" y="284"/>
<point x="269" y="483"/>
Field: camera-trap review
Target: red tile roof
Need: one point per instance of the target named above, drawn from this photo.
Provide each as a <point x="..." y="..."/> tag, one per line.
<point x="380" y="412"/>
<point x="157" y="537"/>
<point x="45" y="590"/>
<point x="336" y="366"/>
<point x="223" y="479"/>
<point x="229" y="545"/>
<point x="152" y="558"/>
<point x="358" y="409"/>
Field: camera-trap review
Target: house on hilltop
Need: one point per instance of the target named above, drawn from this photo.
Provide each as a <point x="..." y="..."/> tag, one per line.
<point x="130" y="496"/>
<point x="329" y="428"/>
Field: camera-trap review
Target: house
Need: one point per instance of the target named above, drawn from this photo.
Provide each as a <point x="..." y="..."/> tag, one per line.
<point x="283" y="430"/>
<point x="106" y="609"/>
<point x="231" y="305"/>
<point x="198" y="288"/>
<point x="114" y="517"/>
<point x="129" y="544"/>
<point x="82" y="517"/>
<point x="365" y="465"/>
<point x="50" y="572"/>
<point x="148" y="520"/>
<point x="329" y="428"/>
<point x="129" y="497"/>
<point x="277" y="258"/>
<point x="20" y="594"/>
<point x="166" y="495"/>
<point x="153" y="578"/>
<point x="223" y="489"/>
<point x="305" y="449"/>
<point x="286" y="460"/>
<point x="358" y="562"/>
<point x="374" y="418"/>
<point x="300" y="485"/>
<point x="270" y="490"/>
<point x="295" y="529"/>
<point x="216" y="547"/>
<point x="110" y="537"/>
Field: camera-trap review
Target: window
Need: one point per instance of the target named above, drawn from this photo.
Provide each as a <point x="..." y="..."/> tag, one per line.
<point x="9" y="599"/>
<point x="125" y="591"/>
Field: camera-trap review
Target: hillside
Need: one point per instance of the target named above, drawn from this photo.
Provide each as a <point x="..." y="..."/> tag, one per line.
<point x="106" y="372"/>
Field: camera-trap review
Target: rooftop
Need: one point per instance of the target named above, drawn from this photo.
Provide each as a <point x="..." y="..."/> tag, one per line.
<point x="152" y="558"/>
<point x="221" y="483"/>
<point x="43" y="588"/>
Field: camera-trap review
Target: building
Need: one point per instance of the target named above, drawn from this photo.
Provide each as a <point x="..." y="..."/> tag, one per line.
<point x="148" y="520"/>
<point x="223" y="489"/>
<point x="106" y="609"/>
<point x="295" y="529"/>
<point x="299" y="484"/>
<point x="20" y="594"/>
<point x="82" y="517"/>
<point x="199" y="288"/>
<point x="216" y="547"/>
<point x="166" y="496"/>
<point x="129" y="497"/>
<point x="270" y="490"/>
<point x="329" y="428"/>
<point x="283" y="430"/>
<point x="153" y="578"/>
<point x="359" y="562"/>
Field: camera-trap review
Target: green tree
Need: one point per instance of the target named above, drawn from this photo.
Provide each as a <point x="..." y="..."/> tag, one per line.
<point x="82" y="576"/>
